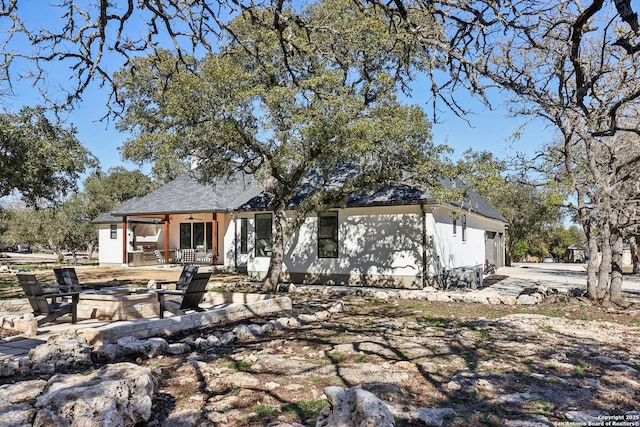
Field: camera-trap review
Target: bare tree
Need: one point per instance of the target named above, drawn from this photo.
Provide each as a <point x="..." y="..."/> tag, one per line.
<point x="574" y="64"/>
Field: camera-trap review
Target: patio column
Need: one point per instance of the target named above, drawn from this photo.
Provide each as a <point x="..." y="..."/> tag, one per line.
<point x="214" y="238"/>
<point x="166" y="239"/>
<point x="124" y="240"/>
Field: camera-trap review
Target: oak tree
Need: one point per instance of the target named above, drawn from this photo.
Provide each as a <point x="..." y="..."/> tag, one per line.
<point x="314" y="106"/>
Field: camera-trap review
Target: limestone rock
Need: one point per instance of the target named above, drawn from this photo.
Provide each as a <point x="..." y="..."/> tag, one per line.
<point x="20" y="392"/>
<point x="62" y="350"/>
<point x="115" y="395"/>
<point x="433" y="417"/>
<point x="227" y="338"/>
<point x="178" y="348"/>
<point x="18" y="415"/>
<point x="353" y="407"/>
<point x="243" y="333"/>
<point x="16" y="402"/>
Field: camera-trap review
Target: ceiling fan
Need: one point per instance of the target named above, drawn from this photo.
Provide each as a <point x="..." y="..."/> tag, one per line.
<point x="191" y="218"/>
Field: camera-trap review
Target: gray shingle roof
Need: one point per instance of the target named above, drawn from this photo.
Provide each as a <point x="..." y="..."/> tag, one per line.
<point x="186" y="195"/>
<point x="395" y="194"/>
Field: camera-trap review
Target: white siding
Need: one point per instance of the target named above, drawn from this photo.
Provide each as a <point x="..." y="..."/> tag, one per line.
<point x="371" y="241"/>
<point x="375" y="241"/>
<point x="451" y="249"/>
<point x="109" y="250"/>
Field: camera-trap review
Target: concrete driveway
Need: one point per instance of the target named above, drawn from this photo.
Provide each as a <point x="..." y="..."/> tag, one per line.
<point x="554" y="275"/>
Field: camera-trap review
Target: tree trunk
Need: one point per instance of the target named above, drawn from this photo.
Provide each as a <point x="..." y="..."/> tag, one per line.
<point x="617" y="249"/>
<point x="90" y="250"/>
<point x="592" y="267"/>
<point x="271" y="280"/>
<point x="56" y="250"/>
<point x="633" y="245"/>
<point x="605" y="264"/>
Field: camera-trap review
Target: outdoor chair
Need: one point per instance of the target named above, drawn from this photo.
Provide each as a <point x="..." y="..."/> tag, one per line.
<point x="192" y="295"/>
<point x="207" y="259"/>
<point x="188" y="256"/>
<point x="160" y="257"/>
<point x="48" y="312"/>
<point x="68" y="280"/>
<point x="183" y="281"/>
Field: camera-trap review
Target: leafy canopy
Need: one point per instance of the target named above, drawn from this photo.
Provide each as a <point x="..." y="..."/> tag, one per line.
<point x="330" y="100"/>
<point x="39" y="159"/>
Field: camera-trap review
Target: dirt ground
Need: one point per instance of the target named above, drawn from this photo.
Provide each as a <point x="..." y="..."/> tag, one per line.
<point x="491" y="364"/>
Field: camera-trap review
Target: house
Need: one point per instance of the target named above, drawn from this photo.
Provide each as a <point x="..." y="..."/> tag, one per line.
<point x="393" y="237"/>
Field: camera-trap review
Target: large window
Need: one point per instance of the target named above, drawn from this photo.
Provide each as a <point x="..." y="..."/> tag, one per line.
<point x="244" y="235"/>
<point x="264" y="234"/>
<point x="328" y="235"/>
<point x="196" y="235"/>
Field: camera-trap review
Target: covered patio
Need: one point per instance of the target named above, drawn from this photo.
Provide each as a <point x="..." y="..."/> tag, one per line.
<point x="182" y="222"/>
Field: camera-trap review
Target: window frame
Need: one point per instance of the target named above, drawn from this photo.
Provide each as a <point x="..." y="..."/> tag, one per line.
<point x="188" y="239"/>
<point x="332" y="239"/>
<point x="263" y="249"/>
<point x="244" y="235"/>
<point x="113" y="231"/>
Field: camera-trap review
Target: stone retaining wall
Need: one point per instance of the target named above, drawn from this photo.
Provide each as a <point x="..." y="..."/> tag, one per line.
<point x="258" y="304"/>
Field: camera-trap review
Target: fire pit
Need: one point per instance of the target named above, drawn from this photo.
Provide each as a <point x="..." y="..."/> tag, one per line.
<point x="118" y="303"/>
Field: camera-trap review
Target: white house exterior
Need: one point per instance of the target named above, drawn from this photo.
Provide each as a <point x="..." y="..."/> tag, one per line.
<point x="388" y="239"/>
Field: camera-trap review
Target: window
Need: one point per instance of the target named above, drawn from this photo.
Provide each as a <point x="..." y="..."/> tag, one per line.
<point x="244" y="235"/>
<point x="114" y="231"/>
<point x="464" y="228"/>
<point x="185" y="235"/>
<point x="264" y="233"/>
<point x="455" y="228"/>
<point x="196" y="235"/>
<point x="328" y="235"/>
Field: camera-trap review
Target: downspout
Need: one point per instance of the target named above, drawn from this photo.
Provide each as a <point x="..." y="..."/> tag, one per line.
<point x="424" y="245"/>
<point x="235" y="242"/>
<point x="125" y="236"/>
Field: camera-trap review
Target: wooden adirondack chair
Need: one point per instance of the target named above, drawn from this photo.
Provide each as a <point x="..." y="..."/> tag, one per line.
<point x="67" y="280"/>
<point x="41" y="307"/>
<point x="183" y="281"/>
<point x="192" y="295"/>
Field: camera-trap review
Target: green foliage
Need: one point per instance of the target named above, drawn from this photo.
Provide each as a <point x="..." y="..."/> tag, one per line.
<point x="67" y="225"/>
<point x="105" y="191"/>
<point x="38" y="158"/>
<point x="306" y="408"/>
<point x="559" y="239"/>
<point x="530" y="209"/>
<point x="264" y="410"/>
<point x="520" y="250"/>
